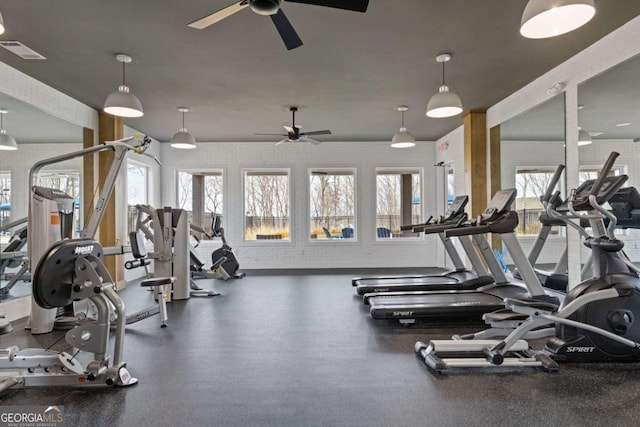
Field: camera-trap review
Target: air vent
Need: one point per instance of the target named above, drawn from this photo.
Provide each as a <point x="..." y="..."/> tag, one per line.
<point x="21" y="50"/>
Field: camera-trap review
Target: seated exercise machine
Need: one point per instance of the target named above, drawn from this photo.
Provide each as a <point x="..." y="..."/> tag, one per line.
<point x="159" y="285"/>
<point x="168" y="229"/>
<point x="68" y="271"/>
<point x="458" y="278"/>
<point x="469" y="303"/>
<point x="597" y="321"/>
<point x="224" y="264"/>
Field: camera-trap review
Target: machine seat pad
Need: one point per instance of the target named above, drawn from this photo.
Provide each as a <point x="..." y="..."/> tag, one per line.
<point x="158" y="281"/>
<point x="503" y="316"/>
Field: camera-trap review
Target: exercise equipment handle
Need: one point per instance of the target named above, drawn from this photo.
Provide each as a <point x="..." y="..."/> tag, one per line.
<point x="603" y="173"/>
<point x="552" y="184"/>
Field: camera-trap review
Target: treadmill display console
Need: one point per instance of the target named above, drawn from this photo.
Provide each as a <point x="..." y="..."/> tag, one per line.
<point x="501" y="201"/>
<point x="457" y="206"/>
<point x="610" y="185"/>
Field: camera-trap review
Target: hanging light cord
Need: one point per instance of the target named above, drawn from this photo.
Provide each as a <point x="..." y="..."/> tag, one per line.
<point x="1" y="123"/>
<point x="443" y="73"/>
<point x="402" y="118"/>
<point x="123" y="81"/>
<point x="183" y="120"/>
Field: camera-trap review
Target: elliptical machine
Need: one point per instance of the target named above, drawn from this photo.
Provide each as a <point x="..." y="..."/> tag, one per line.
<point x="597" y="319"/>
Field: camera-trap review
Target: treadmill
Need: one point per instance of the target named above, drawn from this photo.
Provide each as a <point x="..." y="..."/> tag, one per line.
<point x="408" y="306"/>
<point x="458" y="278"/>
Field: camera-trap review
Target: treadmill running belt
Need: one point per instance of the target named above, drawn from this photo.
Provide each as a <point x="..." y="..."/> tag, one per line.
<point x="470" y="304"/>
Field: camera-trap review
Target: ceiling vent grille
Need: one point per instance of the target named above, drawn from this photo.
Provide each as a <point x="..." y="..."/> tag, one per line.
<point x="20" y="49"/>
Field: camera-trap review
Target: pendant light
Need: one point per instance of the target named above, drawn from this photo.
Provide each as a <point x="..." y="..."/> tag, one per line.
<point x="123" y="103"/>
<point x="183" y="139"/>
<point x="6" y="141"/>
<point x="444" y="103"/>
<point x="542" y="19"/>
<point x="1" y="24"/>
<point x="584" y="138"/>
<point x="402" y="138"/>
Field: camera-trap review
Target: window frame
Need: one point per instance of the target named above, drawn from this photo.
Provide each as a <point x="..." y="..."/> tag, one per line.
<point x="274" y="171"/>
<point x="344" y="171"/>
<point x="399" y="170"/>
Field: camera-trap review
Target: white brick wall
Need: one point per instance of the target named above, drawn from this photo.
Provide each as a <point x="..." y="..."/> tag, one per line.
<point x="301" y="252"/>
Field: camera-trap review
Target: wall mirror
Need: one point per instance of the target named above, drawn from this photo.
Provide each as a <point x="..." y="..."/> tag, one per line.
<point x="531" y="147"/>
<point x="609" y="120"/>
<point x="38" y="136"/>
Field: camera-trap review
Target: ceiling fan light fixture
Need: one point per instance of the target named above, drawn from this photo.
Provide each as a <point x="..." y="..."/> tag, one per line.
<point x="265" y="7"/>
<point x="1" y="24"/>
<point x="123" y="103"/>
<point x="444" y="103"/>
<point x="402" y="138"/>
<point x="549" y="18"/>
<point x="183" y="139"/>
<point x="7" y="142"/>
<point x="584" y="138"/>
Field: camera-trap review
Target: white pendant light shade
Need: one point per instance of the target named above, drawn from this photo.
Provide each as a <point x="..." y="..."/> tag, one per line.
<point x="183" y="139"/>
<point x="549" y="18"/>
<point x="444" y="104"/>
<point x="7" y="142"/>
<point x="402" y="138"/>
<point x="1" y="24"/>
<point x="584" y="138"/>
<point x="123" y="103"/>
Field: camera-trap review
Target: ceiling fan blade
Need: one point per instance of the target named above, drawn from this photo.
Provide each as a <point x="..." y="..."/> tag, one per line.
<point x="355" y="5"/>
<point x="317" y="132"/>
<point x="311" y="140"/>
<point x="289" y="129"/>
<point x="284" y="140"/>
<point x="270" y="134"/>
<point x="289" y="36"/>
<point x="208" y="20"/>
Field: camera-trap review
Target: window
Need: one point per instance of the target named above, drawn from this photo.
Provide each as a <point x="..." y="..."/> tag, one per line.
<point x="398" y="201"/>
<point x="531" y="183"/>
<point x="200" y="193"/>
<point x="332" y="198"/>
<point x="5" y="199"/>
<point x="137" y="191"/>
<point x="67" y="181"/>
<point x="266" y="204"/>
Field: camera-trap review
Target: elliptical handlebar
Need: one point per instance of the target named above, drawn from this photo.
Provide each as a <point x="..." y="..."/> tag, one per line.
<point x="553" y="183"/>
<point x="604" y="172"/>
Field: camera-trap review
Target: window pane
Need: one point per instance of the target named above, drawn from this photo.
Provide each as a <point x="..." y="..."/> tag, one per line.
<point x="202" y="189"/>
<point x="332" y="204"/>
<point x="391" y="212"/>
<point x="266" y="205"/>
<point x="67" y="181"/>
<point x="531" y="184"/>
<point x="136" y="184"/>
<point x="5" y="199"/>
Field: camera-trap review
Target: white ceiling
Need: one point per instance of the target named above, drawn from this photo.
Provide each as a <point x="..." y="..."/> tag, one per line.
<point x="239" y="79"/>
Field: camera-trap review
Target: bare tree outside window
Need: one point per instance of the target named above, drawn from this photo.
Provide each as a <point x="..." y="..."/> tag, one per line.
<point x="266" y="205"/>
<point x="332" y="204"/>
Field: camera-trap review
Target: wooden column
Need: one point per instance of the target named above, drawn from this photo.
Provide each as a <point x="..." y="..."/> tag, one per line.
<point x="197" y="202"/>
<point x="111" y="128"/>
<point x="495" y="178"/>
<point x="406" y="201"/>
<point x="475" y="160"/>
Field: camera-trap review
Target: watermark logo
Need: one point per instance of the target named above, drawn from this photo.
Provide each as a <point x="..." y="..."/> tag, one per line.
<point x="32" y="416"/>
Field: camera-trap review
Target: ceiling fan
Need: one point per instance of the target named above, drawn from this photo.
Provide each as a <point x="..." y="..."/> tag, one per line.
<point x="293" y="132"/>
<point x="272" y="8"/>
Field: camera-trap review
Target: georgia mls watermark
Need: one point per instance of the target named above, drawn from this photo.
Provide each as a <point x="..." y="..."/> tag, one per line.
<point x="32" y="416"/>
